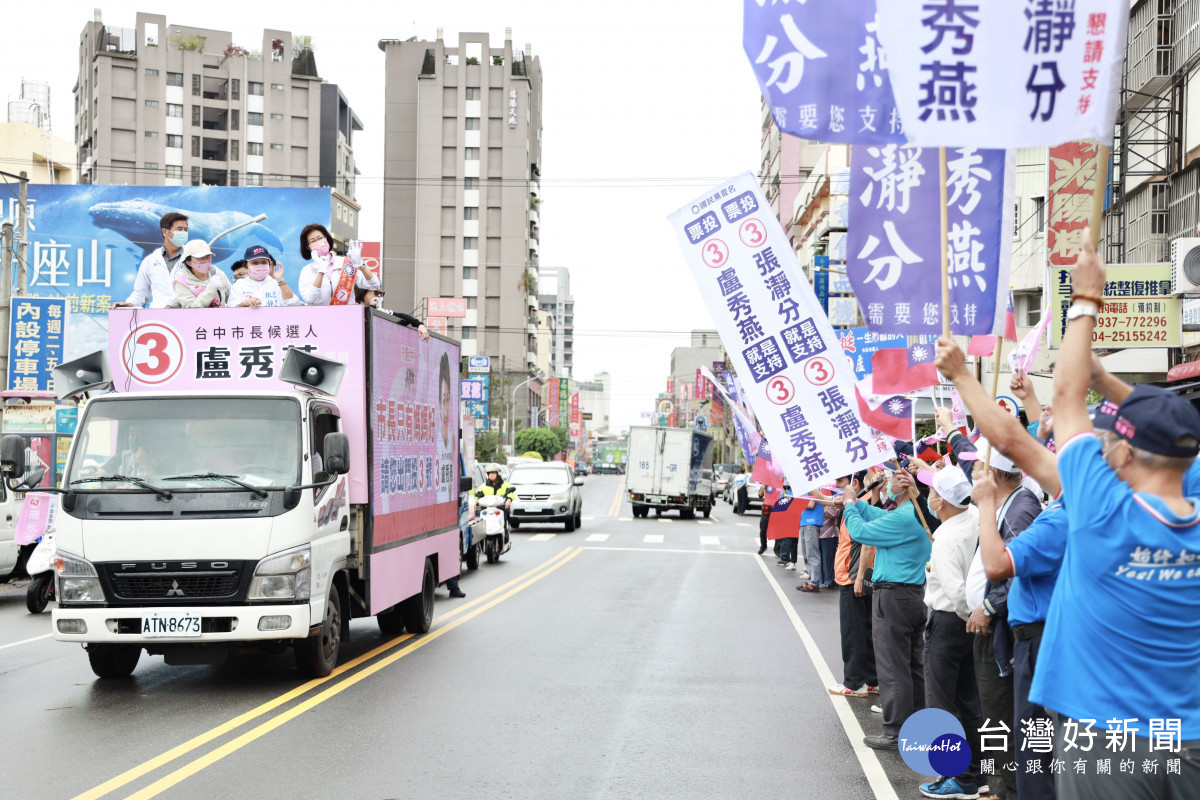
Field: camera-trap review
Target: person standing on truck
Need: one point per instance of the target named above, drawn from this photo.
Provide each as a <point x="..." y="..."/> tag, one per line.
<point x="153" y="283"/>
<point x="329" y="279"/>
<point x="496" y="486"/>
<point x="374" y="299"/>
<point x="198" y="285"/>
<point x="264" y="285"/>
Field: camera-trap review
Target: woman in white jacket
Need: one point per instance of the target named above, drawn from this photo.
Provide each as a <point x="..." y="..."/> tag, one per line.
<point x="329" y="279"/>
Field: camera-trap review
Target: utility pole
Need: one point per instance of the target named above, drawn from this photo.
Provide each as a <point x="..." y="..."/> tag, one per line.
<point x="23" y="241"/>
<point x="6" y="255"/>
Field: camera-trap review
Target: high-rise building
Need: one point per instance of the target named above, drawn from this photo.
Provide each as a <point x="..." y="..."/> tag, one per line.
<point x="172" y="105"/>
<point x="462" y="148"/>
<point x="556" y="299"/>
<point x="595" y="398"/>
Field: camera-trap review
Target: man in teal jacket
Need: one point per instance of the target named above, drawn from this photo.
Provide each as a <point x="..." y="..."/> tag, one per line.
<point x="898" y="615"/>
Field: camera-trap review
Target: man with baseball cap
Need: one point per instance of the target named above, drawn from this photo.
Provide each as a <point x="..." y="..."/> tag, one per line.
<point x="1121" y="647"/>
<point x="949" y="660"/>
<point x="265" y="284"/>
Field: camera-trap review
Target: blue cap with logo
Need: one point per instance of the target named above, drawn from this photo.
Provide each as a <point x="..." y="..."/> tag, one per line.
<point x="257" y="251"/>
<point x="1159" y="421"/>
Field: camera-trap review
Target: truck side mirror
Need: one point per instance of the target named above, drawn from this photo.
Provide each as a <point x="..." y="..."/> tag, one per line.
<point x="465" y="483"/>
<point x="337" y="453"/>
<point x="12" y="455"/>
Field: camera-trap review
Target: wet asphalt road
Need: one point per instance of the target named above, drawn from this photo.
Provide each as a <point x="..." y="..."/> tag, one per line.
<point x="601" y="663"/>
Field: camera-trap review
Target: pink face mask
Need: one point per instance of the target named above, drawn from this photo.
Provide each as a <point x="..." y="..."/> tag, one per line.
<point x="321" y="249"/>
<point x="201" y="267"/>
<point x="259" y="272"/>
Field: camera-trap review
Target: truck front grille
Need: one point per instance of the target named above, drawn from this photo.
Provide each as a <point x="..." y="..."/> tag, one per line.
<point x="175" y="586"/>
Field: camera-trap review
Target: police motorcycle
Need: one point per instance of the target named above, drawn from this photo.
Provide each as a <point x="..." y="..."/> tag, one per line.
<point x="496" y="539"/>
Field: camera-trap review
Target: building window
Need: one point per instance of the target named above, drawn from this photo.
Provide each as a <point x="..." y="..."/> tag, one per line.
<point x="472" y="302"/>
<point x="472" y="123"/>
<point x="254" y="179"/>
<point x="195" y="176"/>
<point x="234" y="154"/>
<point x="277" y="116"/>
<point x="151" y="134"/>
<point x="195" y="85"/>
<point x="470" y="213"/>
<point x="254" y="87"/>
<point x="174" y="171"/>
<point x="254" y="118"/>
<point x="174" y="110"/>
<point x="1039" y="214"/>
<point x="235" y="120"/>
<point x="471" y="153"/>
<point x="1158" y="205"/>
<point x="196" y="116"/>
<point x="472" y="93"/>
<point x="470" y="183"/>
<point x="233" y="177"/>
<point x="236" y="88"/>
<point x="277" y="87"/>
<point x="174" y="79"/>
<point x="276" y="147"/>
<point x="254" y="148"/>
<point x="470" y="243"/>
<point x="468" y="332"/>
<point x="174" y="140"/>
<point x="151" y="104"/>
<point x="196" y="146"/>
<point x="150" y="165"/>
<point x="470" y="273"/>
<point x="151" y="72"/>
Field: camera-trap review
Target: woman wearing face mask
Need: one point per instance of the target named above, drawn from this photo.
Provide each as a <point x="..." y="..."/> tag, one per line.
<point x="374" y="299"/>
<point x="264" y="285"/>
<point x="329" y="279"/>
<point x="197" y="284"/>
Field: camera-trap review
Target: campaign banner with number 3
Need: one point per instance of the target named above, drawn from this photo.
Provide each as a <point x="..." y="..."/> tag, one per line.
<point x="796" y="379"/>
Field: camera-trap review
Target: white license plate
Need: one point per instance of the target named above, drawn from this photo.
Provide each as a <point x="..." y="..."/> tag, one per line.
<point x="170" y="623"/>
<point x="533" y="509"/>
<point x="655" y="499"/>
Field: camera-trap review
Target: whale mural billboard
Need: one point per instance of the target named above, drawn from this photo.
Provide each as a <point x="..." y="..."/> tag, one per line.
<point x="86" y="242"/>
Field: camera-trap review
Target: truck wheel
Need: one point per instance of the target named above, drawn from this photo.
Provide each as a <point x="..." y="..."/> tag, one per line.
<point x="39" y="592"/>
<point x="317" y="655"/>
<point x="707" y="511"/>
<point x="418" y="609"/>
<point x="113" y="660"/>
<point x="657" y="511"/>
<point x="473" y="557"/>
<point x="391" y="623"/>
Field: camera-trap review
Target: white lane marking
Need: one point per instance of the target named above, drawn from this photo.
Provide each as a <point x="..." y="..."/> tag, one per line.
<point x="653" y="538"/>
<point x="867" y="758"/>
<point x="665" y="519"/>
<point x="705" y="522"/>
<point x="541" y="537"/>
<point x="710" y="540"/>
<point x="624" y="519"/>
<point x="743" y="524"/>
<point x="26" y="641"/>
<point x="597" y="537"/>
<point x="670" y="550"/>
<point x="588" y="519"/>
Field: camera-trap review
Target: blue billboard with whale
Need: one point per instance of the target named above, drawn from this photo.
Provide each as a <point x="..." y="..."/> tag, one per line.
<point x="86" y="242"/>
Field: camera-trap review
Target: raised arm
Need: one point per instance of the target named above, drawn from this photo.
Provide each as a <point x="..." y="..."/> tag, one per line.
<point x="1073" y="372"/>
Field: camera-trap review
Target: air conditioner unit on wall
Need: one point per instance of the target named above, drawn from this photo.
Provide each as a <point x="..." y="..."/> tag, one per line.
<point x="1185" y="265"/>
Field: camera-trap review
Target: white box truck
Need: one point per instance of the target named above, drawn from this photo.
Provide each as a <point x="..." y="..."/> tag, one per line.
<point x="664" y="468"/>
<point x="256" y="478"/>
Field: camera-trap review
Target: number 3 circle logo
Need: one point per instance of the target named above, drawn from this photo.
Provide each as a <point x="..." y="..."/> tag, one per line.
<point x="152" y="353"/>
<point x="818" y="371"/>
<point x="753" y="233"/>
<point x="780" y="390"/>
<point x="716" y="253"/>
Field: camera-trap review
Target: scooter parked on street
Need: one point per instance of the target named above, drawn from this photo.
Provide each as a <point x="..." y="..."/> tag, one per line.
<point x="496" y="538"/>
<point x="41" y="572"/>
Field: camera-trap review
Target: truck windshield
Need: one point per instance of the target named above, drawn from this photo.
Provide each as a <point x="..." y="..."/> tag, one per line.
<point x="256" y="440"/>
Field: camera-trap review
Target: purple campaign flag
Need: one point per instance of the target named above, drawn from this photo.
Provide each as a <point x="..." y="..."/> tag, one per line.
<point x="893" y="258"/>
<point x="821" y="69"/>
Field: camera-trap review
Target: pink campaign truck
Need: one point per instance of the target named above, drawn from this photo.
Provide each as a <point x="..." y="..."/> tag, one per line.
<point x="255" y="479"/>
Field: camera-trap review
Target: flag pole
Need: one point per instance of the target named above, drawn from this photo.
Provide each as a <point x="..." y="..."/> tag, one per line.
<point x="912" y="489"/>
<point x="987" y="457"/>
<point x="1099" y="187"/>
<point x="945" y="236"/>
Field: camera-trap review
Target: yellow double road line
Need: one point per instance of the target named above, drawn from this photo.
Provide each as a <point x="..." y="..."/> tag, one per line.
<point x="457" y="617"/>
<point x="616" y="503"/>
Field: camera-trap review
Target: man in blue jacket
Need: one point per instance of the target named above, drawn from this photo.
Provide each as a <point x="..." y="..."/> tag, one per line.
<point x="898" y="614"/>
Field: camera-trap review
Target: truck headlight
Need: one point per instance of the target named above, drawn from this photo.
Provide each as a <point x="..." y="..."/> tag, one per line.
<point x="78" y="581"/>
<point x="286" y="576"/>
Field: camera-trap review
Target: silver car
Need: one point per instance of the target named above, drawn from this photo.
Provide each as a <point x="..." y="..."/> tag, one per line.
<point x="546" y="493"/>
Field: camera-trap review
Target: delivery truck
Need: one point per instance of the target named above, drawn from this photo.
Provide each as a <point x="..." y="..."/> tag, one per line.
<point x="664" y="469"/>
<point x="255" y="478"/>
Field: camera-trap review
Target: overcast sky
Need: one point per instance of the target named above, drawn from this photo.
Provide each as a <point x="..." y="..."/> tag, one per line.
<point x="645" y="105"/>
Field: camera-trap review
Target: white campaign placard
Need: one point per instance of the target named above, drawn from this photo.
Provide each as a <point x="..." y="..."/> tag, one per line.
<point x="1007" y="73"/>
<point x="797" y="379"/>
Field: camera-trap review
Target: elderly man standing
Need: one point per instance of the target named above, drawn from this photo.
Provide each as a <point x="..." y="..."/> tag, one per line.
<point x="949" y="648"/>
<point x="898" y="616"/>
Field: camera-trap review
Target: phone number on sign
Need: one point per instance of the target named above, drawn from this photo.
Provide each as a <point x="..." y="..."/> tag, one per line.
<point x="1119" y="337"/>
<point x="1131" y="322"/>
